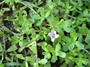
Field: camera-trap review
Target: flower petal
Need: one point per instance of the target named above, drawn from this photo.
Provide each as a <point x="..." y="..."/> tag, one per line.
<point x="52" y="39"/>
<point x="56" y="36"/>
<point x="49" y="34"/>
<point x="53" y="32"/>
<point x="53" y="35"/>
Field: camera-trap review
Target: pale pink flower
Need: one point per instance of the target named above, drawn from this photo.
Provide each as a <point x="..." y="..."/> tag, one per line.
<point x="53" y="35"/>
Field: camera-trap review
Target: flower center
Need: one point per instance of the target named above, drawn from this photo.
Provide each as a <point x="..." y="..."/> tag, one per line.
<point x="53" y="35"/>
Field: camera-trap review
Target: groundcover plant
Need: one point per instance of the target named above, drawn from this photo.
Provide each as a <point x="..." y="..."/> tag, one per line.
<point x="44" y="33"/>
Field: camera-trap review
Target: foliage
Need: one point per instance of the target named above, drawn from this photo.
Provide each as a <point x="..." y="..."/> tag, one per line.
<point x="24" y="29"/>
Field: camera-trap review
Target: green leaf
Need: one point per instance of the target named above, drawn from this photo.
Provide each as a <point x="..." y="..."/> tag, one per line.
<point x="47" y="55"/>
<point x="21" y="49"/>
<point x="20" y="56"/>
<point x="36" y="16"/>
<point x="6" y="9"/>
<point x="88" y="46"/>
<point x="6" y="29"/>
<point x="73" y="34"/>
<point x="2" y="65"/>
<point x="87" y="39"/>
<point x="8" y="58"/>
<point x="70" y="58"/>
<point x="14" y="40"/>
<point x="67" y="29"/>
<point x="85" y="61"/>
<point x="47" y="14"/>
<point x="84" y="30"/>
<point x="85" y="12"/>
<point x="79" y="64"/>
<point x="44" y="48"/>
<point x="54" y="58"/>
<point x="58" y="47"/>
<point x="47" y="65"/>
<point x="26" y="64"/>
<point x="30" y="59"/>
<point x="62" y="22"/>
<point x="80" y="38"/>
<point x="39" y="23"/>
<point x="42" y="12"/>
<point x="1" y="49"/>
<point x="7" y="1"/>
<point x="62" y="54"/>
<point x="12" y="48"/>
<point x="67" y="39"/>
<point x="42" y="44"/>
<point x="29" y="4"/>
<point x="51" y="4"/>
<point x="65" y="47"/>
<point x="33" y="48"/>
<point x="79" y="45"/>
<point x="18" y="1"/>
<point x="68" y="23"/>
<point x="35" y="65"/>
<point x="12" y="64"/>
<point x="71" y="47"/>
<point x="54" y="21"/>
<point x="50" y="48"/>
<point x="25" y="29"/>
<point x="43" y="61"/>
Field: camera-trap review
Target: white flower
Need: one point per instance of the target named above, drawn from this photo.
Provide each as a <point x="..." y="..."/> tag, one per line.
<point x="53" y="35"/>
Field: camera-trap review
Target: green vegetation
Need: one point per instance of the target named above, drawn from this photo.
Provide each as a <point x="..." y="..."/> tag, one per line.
<point x="45" y="33"/>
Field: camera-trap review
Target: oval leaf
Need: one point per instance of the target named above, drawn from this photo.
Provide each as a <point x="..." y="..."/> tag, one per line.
<point x="79" y="45"/>
<point x="12" y="48"/>
<point x="62" y="54"/>
<point x="43" y="61"/>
